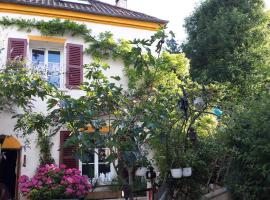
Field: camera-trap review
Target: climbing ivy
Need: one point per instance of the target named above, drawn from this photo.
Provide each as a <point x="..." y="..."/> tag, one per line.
<point x="48" y="28"/>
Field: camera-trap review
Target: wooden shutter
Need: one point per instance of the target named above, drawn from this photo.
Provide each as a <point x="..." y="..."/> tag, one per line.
<point x="74" y="65"/>
<point x="16" y="48"/>
<point x="66" y="153"/>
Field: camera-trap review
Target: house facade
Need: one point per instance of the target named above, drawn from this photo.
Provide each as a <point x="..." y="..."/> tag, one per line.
<point x="61" y="60"/>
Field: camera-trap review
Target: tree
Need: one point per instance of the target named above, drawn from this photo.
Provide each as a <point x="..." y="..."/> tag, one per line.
<point x="228" y="41"/>
<point x="247" y="137"/>
<point x="19" y="86"/>
<point x="136" y="117"/>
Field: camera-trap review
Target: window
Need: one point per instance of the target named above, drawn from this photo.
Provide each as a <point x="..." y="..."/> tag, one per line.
<point x="48" y="63"/>
<point x="95" y="164"/>
<point x="77" y="1"/>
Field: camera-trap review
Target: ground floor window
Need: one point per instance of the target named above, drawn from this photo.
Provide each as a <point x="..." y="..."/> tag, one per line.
<point x="95" y="164"/>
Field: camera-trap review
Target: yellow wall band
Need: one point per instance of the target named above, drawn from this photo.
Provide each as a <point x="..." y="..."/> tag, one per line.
<point x="72" y="15"/>
<point x="47" y="39"/>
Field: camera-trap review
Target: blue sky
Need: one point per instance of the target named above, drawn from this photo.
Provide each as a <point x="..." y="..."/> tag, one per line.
<point x="173" y="10"/>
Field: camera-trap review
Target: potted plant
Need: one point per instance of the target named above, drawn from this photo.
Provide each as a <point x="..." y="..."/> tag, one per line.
<point x="176" y="169"/>
<point x="181" y="166"/>
<point x="52" y="182"/>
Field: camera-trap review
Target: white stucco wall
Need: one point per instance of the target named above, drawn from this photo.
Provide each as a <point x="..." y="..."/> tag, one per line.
<point x="7" y="124"/>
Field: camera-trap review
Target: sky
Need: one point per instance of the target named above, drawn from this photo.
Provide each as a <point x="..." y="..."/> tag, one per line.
<point x="175" y="11"/>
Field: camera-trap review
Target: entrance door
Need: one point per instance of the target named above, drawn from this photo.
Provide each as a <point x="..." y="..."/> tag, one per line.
<point x="8" y="171"/>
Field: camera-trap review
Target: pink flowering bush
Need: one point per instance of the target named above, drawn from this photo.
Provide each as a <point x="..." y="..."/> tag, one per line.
<point x="52" y="182"/>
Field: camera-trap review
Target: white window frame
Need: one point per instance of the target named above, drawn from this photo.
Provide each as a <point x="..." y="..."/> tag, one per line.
<point x="96" y="164"/>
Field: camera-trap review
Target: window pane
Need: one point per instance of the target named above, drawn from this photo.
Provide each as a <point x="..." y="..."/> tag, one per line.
<point x="89" y="157"/>
<point x="89" y="170"/>
<point x="103" y="154"/>
<point x="38" y="56"/>
<point x="104" y="168"/>
<point x="54" y="68"/>
<point x="54" y="56"/>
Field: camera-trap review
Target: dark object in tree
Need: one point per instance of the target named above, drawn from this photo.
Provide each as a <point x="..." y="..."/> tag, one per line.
<point x="151" y="174"/>
<point x="183" y="105"/>
<point x="183" y="102"/>
<point x="192" y="135"/>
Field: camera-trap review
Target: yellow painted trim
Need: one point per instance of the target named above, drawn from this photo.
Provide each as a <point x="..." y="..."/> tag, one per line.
<point x="47" y="39"/>
<point x="90" y="129"/>
<point x="72" y="15"/>
<point x="11" y="143"/>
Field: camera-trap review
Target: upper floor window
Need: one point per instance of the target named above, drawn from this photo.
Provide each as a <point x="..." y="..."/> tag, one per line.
<point x="48" y="62"/>
<point x="61" y="64"/>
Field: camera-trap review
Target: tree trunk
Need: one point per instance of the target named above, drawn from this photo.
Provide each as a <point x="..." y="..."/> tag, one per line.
<point x="130" y="183"/>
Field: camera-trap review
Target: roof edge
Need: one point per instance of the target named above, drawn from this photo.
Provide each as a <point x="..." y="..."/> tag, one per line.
<point x="79" y="16"/>
<point x="154" y="19"/>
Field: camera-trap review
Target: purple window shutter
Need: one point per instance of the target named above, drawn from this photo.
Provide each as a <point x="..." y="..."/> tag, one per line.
<point x="16" y="48"/>
<point x="74" y="65"/>
<point x="66" y="153"/>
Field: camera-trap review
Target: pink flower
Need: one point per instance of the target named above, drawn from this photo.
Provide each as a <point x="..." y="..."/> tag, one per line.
<point x="68" y="171"/>
<point x="51" y="177"/>
<point x="57" y="170"/>
<point x="62" y="166"/>
<point x="34" y="181"/>
<point x="70" y="180"/>
<point x="81" y="187"/>
<point x="49" y="181"/>
<point x="78" y="193"/>
<point x="23" y="179"/>
<point x="69" y="191"/>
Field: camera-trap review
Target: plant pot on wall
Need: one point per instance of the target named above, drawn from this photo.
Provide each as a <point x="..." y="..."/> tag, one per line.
<point x="141" y="171"/>
<point x="187" y="171"/>
<point x="177" y="172"/>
